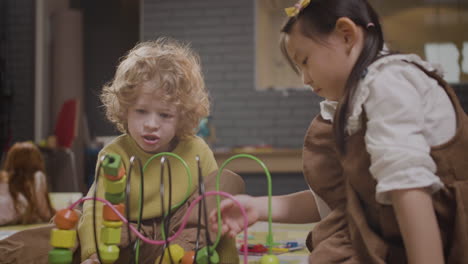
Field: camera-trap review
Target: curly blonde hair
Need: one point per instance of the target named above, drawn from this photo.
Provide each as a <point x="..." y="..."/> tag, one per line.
<point x="172" y="67"/>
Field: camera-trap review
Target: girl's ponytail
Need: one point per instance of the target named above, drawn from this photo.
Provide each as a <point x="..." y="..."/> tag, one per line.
<point x="373" y="45"/>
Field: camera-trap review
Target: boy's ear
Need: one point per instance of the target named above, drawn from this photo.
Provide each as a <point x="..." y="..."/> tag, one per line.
<point x="348" y="32"/>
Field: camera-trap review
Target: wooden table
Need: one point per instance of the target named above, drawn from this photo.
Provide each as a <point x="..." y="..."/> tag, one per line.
<point x="276" y="160"/>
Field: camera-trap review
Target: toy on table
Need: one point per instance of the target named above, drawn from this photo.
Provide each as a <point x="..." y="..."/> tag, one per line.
<point x="279" y="248"/>
<point x="116" y="184"/>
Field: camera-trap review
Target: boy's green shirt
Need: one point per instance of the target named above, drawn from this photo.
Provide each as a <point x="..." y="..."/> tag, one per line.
<point x="126" y="147"/>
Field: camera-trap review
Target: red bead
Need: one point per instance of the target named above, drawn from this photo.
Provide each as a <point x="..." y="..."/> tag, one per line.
<point x="109" y="215"/>
<point x="188" y="257"/>
<point x="66" y="219"/>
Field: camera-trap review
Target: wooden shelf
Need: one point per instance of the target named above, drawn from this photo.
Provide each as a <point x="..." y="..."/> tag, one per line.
<point x="276" y="160"/>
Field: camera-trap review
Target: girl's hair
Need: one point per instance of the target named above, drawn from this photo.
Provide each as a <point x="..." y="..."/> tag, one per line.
<point x="317" y="20"/>
<point x="173" y="68"/>
<point x="22" y="162"/>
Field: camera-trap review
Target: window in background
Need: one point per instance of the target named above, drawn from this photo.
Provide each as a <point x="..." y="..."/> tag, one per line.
<point x="436" y="30"/>
<point x="272" y="71"/>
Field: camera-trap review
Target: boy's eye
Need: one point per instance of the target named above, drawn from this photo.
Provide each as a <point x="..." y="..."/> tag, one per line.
<point x="165" y="115"/>
<point x="140" y="111"/>
<point x="304" y="62"/>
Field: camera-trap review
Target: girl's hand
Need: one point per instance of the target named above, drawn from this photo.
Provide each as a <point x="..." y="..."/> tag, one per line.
<point x="93" y="259"/>
<point x="231" y="216"/>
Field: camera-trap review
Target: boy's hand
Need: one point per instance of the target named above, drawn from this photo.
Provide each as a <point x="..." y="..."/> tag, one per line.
<point x="93" y="259"/>
<point x="231" y="216"/>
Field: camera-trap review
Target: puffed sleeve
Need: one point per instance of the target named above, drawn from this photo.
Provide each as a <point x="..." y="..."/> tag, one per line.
<point x="395" y="140"/>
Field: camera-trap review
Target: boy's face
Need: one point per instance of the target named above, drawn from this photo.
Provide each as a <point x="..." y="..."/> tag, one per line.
<point x="151" y="122"/>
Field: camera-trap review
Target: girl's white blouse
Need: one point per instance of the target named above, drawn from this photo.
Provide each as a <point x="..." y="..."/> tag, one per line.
<point x="407" y="113"/>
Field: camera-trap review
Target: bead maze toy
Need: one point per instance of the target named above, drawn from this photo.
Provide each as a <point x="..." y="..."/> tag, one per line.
<point x="116" y="203"/>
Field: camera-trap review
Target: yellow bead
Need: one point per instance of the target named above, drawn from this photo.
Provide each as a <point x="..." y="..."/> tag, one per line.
<point x="269" y="259"/>
<point x="115" y="186"/>
<point x="110" y="236"/>
<point x="109" y="253"/>
<point x="177" y="253"/>
<point x="113" y="224"/>
<point x="60" y="238"/>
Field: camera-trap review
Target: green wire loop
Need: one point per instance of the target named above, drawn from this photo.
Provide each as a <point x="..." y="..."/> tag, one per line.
<point x="187" y="193"/>
<point x="269" y="239"/>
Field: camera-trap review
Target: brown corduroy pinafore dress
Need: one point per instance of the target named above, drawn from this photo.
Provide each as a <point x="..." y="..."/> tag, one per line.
<point x="365" y="231"/>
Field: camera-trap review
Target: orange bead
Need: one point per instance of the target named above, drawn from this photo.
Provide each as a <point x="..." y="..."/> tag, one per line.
<point x="109" y="215"/>
<point x="118" y="177"/>
<point x="66" y="219"/>
<point x="188" y="257"/>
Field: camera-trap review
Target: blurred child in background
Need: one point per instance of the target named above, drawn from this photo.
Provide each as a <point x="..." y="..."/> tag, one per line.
<point x="24" y="196"/>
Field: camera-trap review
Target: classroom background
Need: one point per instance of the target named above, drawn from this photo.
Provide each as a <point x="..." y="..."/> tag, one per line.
<point x="55" y="55"/>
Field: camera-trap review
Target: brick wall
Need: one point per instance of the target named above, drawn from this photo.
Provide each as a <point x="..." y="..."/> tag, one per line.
<point x="222" y="32"/>
<point x="18" y="51"/>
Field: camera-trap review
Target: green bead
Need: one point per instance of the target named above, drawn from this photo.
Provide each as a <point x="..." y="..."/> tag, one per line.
<point x="202" y="256"/>
<point x="60" y="256"/>
<point x="111" y="164"/>
<point x="115" y="198"/>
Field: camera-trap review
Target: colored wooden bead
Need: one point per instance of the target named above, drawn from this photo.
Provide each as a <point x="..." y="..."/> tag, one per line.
<point x="109" y="253"/>
<point x="66" y="219"/>
<point x="112" y="224"/>
<point x="177" y="252"/>
<point x="111" y="164"/>
<point x="119" y="175"/>
<point x="62" y="238"/>
<point x="109" y="215"/>
<point x="269" y="259"/>
<point x="115" y="198"/>
<point x="60" y="256"/>
<point x="188" y="257"/>
<point x="110" y="236"/>
<point x="115" y="186"/>
<point x="202" y="256"/>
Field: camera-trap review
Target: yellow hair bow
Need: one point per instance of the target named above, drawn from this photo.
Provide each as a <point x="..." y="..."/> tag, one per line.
<point x="294" y="10"/>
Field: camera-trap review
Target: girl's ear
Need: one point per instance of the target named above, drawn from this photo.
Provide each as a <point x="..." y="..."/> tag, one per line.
<point x="348" y="32"/>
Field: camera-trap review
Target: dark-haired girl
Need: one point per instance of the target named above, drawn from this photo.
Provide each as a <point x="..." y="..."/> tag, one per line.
<point x="386" y="157"/>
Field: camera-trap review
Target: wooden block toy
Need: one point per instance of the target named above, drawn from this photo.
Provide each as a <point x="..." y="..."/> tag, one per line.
<point x="177" y="252"/>
<point x="62" y="238"/>
<point x="115" y="198"/>
<point x="60" y="256"/>
<point x="110" y="235"/>
<point x="116" y="177"/>
<point x="115" y="186"/>
<point x="109" y="253"/>
<point x="202" y="256"/>
<point x="188" y="257"/>
<point x="66" y="219"/>
<point x="112" y="224"/>
<point x="111" y="164"/>
<point x="109" y="215"/>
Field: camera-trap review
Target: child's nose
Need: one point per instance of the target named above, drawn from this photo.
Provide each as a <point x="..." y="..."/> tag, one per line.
<point x="152" y="122"/>
<point x="306" y="79"/>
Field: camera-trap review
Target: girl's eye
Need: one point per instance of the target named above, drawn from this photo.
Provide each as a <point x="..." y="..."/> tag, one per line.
<point x="304" y="62"/>
<point x="140" y="111"/>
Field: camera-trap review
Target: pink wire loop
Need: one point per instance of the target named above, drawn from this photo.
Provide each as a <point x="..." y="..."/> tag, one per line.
<point x="184" y="219"/>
